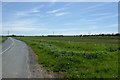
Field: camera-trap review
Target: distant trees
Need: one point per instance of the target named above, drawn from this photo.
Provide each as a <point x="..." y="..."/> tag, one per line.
<point x="117" y="34"/>
<point x="55" y="35"/>
<point x="15" y="35"/>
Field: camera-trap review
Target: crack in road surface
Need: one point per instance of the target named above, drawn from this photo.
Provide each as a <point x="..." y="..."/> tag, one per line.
<point x="15" y="59"/>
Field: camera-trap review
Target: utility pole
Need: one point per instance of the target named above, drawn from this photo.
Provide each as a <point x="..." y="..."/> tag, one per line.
<point x="8" y="33"/>
<point x="53" y="33"/>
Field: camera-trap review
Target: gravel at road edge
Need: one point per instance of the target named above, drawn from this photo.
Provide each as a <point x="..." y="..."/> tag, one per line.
<point x="36" y="70"/>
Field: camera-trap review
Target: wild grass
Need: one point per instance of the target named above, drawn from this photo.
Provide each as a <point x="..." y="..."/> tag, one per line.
<point x="2" y="39"/>
<point x="77" y="57"/>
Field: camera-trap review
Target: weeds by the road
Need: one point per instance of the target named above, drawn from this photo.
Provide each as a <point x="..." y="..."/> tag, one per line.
<point x="77" y="57"/>
<point x="2" y="39"/>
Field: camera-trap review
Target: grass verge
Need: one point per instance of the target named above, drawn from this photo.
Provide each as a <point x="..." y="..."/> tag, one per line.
<point x="77" y="57"/>
<point x="2" y="39"/>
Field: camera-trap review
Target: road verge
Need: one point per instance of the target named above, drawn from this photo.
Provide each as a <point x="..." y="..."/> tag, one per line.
<point x="37" y="71"/>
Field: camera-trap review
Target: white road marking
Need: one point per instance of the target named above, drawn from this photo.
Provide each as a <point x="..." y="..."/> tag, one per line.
<point x="9" y="46"/>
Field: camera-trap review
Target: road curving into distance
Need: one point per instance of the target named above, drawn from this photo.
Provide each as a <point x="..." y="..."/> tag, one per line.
<point x="15" y="59"/>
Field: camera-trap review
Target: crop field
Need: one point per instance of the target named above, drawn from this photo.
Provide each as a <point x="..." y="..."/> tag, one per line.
<point x="77" y="57"/>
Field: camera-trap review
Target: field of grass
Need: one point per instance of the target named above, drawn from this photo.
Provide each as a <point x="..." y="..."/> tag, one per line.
<point x="2" y="39"/>
<point x="77" y="57"/>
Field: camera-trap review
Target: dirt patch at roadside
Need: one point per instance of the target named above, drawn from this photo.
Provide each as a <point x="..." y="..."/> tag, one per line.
<point x="36" y="70"/>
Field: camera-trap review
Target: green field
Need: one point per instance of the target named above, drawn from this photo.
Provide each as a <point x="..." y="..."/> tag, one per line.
<point x="77" y="57"/>
<point x="2" y="39"/>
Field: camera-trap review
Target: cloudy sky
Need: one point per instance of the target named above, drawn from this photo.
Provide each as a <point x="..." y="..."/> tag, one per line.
<point x="64" y="18"/>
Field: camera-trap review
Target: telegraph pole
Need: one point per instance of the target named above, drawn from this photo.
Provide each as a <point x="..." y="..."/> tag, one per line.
<point x="53" y="33"/>
<point x="8" y="33"/>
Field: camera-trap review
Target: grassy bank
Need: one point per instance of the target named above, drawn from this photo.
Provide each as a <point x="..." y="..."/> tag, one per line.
<point x="77" y="57"/>
<point x="2" y="39"/>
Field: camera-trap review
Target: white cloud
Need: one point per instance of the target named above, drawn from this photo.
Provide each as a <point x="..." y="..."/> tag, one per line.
<point x="61" y="13"/>
<point x="33" y="10"/>
<point x="31" y="26"/>
<point x="19" y="22"/>
<point x="23" y="29"/>
<point x="37" y="9"/>
<point x="23" y="26"/>
<point x="55" y="11"/>
<point x="60" y="9"/>
<point x="58" y="12"/>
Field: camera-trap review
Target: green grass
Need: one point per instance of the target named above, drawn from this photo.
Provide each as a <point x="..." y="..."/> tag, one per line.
<point x="2" y="39"/>
<point x="77" y="57"/>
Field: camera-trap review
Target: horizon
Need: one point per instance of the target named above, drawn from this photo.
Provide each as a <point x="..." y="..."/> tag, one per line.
<point x="59" y="18"/>
<point x="54" y="35"/>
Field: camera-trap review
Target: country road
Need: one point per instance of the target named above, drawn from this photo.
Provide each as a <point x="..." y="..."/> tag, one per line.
<point x="15" y="59"/>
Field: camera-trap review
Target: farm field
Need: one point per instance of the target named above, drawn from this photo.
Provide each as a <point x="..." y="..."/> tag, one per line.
<point x="2" y="39"/>
<point x="77" y="57"/>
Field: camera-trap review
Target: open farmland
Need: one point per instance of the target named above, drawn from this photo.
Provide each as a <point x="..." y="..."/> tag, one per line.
<point x="2" y="39"/>
<point x="77" y="57"/>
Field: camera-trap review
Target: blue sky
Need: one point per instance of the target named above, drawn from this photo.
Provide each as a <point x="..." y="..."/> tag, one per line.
<point x="62" y="18"/>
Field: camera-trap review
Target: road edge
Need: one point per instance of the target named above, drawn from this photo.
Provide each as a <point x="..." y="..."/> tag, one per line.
<point x="37" y="71"/>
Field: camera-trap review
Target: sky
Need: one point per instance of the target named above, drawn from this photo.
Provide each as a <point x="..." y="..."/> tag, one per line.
<point x="60" y="18"/>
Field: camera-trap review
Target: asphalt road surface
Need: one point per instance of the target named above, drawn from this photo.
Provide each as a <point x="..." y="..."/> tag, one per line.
<point x="15" y="59"/>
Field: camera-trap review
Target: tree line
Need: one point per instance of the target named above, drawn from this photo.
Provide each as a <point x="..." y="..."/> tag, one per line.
<point x="117" y="34"/>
